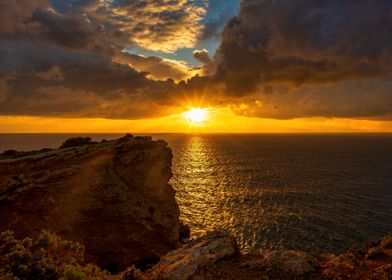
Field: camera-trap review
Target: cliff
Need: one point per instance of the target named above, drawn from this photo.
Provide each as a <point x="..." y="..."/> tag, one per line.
<point x="113" y="197"/>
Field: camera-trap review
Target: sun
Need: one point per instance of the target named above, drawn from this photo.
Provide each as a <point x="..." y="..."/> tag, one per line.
<point x="196" y="115"/>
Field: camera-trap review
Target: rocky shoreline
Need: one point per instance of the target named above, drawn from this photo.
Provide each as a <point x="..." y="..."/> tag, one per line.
<point x="114" y="197"/>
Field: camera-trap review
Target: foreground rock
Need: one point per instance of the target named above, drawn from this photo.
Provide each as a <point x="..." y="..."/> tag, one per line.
<point x="373" y="261"/>
<point x="183" y="263"/>
<point x="211" y="257"/>
<point x="113" y="197"/>
<point x="290" y="264"/>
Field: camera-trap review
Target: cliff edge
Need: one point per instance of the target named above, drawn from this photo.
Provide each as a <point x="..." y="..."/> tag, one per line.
<point x="113" y="197"/>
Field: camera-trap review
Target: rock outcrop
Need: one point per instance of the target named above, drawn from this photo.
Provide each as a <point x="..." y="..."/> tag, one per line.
<point x="373" y="261"/>
<point x="183" y="263"/>
<point x="290" y="264"/>
<point x="113" y="197"/>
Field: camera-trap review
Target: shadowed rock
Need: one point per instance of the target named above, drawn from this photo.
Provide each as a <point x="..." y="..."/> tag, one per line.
<point x="113" y="197"/>
<point x="183" y="263"/>
<point x="290" y="264"/>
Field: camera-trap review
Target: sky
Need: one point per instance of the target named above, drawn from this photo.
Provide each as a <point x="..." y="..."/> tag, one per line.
<point x="138" y="65"/>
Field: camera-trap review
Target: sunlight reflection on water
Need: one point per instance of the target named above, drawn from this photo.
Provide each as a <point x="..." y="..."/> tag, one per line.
<point x="211" y="197"/>
<point x="201" y="197"/>
<point x="276" y="193"/>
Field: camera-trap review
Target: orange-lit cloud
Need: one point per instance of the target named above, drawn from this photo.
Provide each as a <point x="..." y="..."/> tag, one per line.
<point x="277" y="60"/>
<point x="157" y="67"/>
<point x="219" y="121"/>
<point x="159" y="25"/>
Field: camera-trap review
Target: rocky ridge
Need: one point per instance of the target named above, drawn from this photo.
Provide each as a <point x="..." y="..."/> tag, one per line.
<point x="113" y="197"/>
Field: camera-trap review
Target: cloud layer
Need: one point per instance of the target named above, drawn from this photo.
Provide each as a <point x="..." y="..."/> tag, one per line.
<point x="306" y="42"/>
<point x="278" y="59"/>
<point x="61" y="59"/>
<point x="309" y="58"/>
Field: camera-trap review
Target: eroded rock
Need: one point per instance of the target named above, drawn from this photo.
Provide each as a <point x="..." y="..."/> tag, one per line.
<point x="290" y="263"/>
<point x="183" y="263"/>
<point x="113" y="197"/>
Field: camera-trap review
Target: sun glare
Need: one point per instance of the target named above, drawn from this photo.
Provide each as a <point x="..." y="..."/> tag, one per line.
<point x="196" y="115"/>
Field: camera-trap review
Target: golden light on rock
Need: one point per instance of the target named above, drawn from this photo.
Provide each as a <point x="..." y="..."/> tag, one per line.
<point x="196" y="115"/>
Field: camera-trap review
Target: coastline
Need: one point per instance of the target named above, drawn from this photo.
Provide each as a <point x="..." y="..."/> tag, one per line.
<point x="213" y="256"/>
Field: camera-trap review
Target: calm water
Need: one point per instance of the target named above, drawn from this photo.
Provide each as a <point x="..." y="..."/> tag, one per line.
<point x="308" y="192"/>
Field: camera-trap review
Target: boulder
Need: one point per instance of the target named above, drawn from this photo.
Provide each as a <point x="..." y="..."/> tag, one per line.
<point x="386" y="242"/>
<point x="183" y="263"/>
<point x="374" y="253"/>
<point x="344" y="261"/>
<point x="113" y="197"/>
<point x="290" y="263"/>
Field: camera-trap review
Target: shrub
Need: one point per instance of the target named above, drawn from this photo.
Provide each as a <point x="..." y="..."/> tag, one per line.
<point x="9" y="153"/>
<point x="44" y="258"/>
<point x="48" y="257"/>
<point x="76" y="141"/>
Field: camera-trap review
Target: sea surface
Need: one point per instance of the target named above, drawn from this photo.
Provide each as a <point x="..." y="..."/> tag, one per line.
<point x="312" y="192"/>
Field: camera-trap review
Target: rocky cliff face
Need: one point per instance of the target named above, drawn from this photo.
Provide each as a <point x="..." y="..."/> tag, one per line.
<point x="113" y="197"/>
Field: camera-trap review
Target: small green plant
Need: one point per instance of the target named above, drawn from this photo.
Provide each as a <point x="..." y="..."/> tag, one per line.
<point x="43" y="258"/>
<point x="47" y="257"/>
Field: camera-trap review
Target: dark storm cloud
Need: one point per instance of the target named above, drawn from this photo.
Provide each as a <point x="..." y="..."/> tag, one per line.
<point x="13" y="15"/>
<point x="304" y="58"/>
<point x="69" y="7"/>
<point x="151" y="24"/>
<point x="305" y="42"/>
<point x="63" y="62"/>
<point x="365" y="100"/>
<point x="278" y="59"/>
<point x="38" y="21"/>
<point x="49" y="80"/>
<point x="70" y="31"/>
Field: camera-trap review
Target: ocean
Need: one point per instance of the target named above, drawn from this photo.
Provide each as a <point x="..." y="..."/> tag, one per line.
<point x="311" y="192"/>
